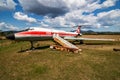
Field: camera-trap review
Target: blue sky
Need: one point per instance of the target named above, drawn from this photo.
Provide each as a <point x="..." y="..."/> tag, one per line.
<point x="98" y="15"/>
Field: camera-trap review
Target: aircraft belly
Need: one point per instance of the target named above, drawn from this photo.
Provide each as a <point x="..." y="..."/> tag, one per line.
<point x="33" y="38"/>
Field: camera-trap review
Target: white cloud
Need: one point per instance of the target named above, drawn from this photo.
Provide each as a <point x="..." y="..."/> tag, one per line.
<point x="94" y="5"/>
<point x="24" y="17"/>
<point x="60" y="7"/>
<point x="110" y="18"/>
<point x="52" y="8"/>
<point x="61" y="12"/>
<point x="103" y="19"/>
<point x="109" y="3"/>
<point x="5" y="27"/>
<point x="111" y="14"/>
<point x="71" y="19"/>
<point x="7" y="5"/>
<point x="53" y="22"/>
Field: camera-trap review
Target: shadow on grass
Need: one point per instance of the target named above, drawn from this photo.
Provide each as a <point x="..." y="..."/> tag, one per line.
<point x="35" y="48"/>
<point x="103" y="43"/>
<point x="96" y="43"/>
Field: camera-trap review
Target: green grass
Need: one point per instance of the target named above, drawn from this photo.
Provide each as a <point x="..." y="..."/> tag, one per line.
<point x="47" y="64"/>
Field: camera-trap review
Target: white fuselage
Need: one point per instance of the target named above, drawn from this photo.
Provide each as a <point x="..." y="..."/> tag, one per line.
<point x="36" y="34"/>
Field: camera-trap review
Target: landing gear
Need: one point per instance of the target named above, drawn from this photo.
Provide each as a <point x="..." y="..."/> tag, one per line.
<point x="81" y="42"/>
<point x="32" y="47"/>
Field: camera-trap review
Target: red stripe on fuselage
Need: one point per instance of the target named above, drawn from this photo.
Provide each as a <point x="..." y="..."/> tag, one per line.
<point x="44" y="33"/>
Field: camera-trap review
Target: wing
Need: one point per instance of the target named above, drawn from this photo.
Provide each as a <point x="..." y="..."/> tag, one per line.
<point x="96" y="39"/>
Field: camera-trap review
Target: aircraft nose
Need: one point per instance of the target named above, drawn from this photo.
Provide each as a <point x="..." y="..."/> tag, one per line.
<point x="10" y="36"/>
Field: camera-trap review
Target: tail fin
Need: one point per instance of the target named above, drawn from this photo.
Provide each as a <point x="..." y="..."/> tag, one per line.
<point x="79" y="30"/>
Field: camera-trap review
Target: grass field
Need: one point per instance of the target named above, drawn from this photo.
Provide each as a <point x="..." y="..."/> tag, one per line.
<point x="98" y="61"/>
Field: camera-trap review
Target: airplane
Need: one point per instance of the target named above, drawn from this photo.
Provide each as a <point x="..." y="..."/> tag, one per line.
<point x="42" y="34"/>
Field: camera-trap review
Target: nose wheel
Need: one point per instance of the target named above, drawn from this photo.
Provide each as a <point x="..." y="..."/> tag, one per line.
<point x="81" y="42"/>
<point x="32" y="47"/>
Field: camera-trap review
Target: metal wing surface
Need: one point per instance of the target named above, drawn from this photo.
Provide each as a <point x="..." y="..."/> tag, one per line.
<point x="94" y="39"/>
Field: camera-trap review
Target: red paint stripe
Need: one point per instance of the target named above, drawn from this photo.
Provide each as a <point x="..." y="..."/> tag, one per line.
<point x="46" y="33"/>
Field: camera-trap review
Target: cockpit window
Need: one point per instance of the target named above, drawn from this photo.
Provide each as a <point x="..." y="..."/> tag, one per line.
<point x="27" y="29"/>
